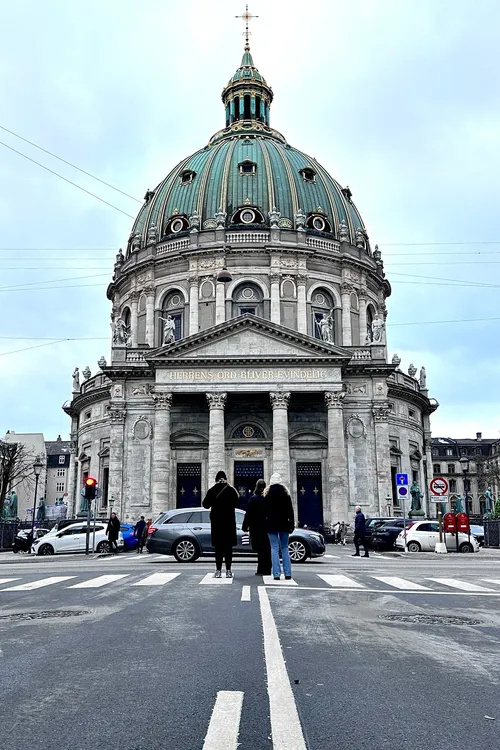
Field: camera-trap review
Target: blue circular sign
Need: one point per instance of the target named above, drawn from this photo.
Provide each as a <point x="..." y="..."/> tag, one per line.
<point x="402" y="491"/>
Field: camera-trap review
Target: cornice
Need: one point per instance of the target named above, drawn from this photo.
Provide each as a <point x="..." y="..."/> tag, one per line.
<point x="417" y="398"/>
<point x="86" y="399"/>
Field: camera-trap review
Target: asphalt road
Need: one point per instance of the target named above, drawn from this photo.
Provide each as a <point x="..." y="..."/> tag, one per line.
<point x="136" y="653"/>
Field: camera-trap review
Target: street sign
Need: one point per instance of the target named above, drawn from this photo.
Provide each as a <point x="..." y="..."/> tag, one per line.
<point x="402" y="480"/>
<point x="439" y="499"/>
<point x="439" y="486"/>
<point x="402" y="492"/>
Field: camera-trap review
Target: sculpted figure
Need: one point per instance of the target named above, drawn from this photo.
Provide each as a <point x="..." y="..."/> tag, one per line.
<point x="86" y="373"/>
<point x="343" y="231"/>
<point x="220" y="217"/>
<point x="378" y="328"/>
<point x="274" y="217"/>
<point x="416" y="497"/>
<point x="423" y="378"/>
<point x="412" y="370"/>
<point x="360" y="239"/>
<point x="168" y="330"/>
<point x="76" y="379"/>
<point x="121" y="333"/>
<point x="325" y="325"/>
<point x="194" y="222"/>
<point x="300" y="220"/>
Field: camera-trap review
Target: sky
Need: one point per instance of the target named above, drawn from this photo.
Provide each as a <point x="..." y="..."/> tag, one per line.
<point x="396" y="98"/>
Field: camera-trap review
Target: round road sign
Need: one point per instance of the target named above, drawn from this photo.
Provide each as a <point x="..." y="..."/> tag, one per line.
<point x="402" y="491"/>
<point x="439" y="486"/>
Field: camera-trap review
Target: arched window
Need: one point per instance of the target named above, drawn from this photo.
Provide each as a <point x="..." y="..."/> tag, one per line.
<point x="323" y="309"/>
<point x="173" y="305"/>
<point x="258" y="106"/>
<point x="370" y="314"/>
<point x="141" y="320"/>
<point x="355" y="320"/>
<point x="248" y="298"/>
<point x="125" y="316"/>
<point x="246" y="107"/>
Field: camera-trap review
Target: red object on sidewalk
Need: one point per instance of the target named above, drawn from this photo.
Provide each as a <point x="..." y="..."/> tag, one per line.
<point x="450" y="522"/>
<point x="463" y="522"/>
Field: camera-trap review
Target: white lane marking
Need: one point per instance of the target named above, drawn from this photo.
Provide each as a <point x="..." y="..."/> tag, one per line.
<point x="401" y="583"/>
<point x="209" y="579"/>
<point x="331" y="555"/>
<point x="39" y="584"/>
<point x="224" y="726"/>
<point x="96" y="583"/>
<point x="157" y="579"/>
<point x="286" y="730"/>
<point x="429" y="592"/>
<point x="341" y="582"/>
<point x="269" y="581"/>
<point x="7" y="580"/>
<point x="246" y="593"/>
<point x="462" y="585"/>
<point x="491" y="580"/>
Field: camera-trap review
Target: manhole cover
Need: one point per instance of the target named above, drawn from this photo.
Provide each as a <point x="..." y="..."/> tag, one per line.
<point x="432" y="619"/>
<point x="20" y="616"/>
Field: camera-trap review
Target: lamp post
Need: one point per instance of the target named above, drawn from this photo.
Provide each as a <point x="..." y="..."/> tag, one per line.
<point x="464" y="465"/>
<point x="37" y="470"/>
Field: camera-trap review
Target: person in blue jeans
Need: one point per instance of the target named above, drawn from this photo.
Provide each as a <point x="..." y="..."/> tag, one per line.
<point x="280" y="522"/>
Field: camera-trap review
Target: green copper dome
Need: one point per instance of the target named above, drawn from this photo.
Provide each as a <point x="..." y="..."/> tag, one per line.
<point x="248" y="164"/>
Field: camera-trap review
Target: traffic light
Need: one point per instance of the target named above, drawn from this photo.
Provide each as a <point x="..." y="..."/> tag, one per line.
<point x="90" y="488"/>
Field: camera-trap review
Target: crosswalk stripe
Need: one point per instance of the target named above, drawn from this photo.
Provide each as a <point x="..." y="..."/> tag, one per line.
<point x="96" y="583"/>
<point x="209" y="579"/>
<point x="401" y="583"/>
<point x="39" y="584"/>
<point x="341" y="582"/>
<point x="462" y="585"/>
<point x="7" y="580"/>
<point x="157" y="579"/>
<point x="269" y="581"/>
<point x="491" y="580"/>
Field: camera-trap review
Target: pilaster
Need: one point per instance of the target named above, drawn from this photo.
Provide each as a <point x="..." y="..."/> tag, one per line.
<point x="337" y="483"/>
<point x="162" y="498"/>
<point x="281" y="448"/>
<point x="216" y="441"/>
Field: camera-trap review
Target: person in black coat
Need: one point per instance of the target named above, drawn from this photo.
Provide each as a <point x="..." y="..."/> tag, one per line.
<point x="255" y="522"/>
<point x="222" y="499"/>
<point x="360" y="532"/>
<point x="280" y="522"/>
<point x="140" y="532"/>
<point x="112" y="532"/>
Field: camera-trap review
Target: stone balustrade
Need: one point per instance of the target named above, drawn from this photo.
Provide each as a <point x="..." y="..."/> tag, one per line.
<point x="249" y="238"/>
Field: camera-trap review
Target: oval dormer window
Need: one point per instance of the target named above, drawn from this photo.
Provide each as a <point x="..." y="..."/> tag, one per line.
<point x="319" y="223"/>
<point x="247" y="215"/>
<point x="176" y="224"/>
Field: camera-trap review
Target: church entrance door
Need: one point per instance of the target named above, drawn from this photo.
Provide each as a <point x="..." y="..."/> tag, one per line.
<point x="246" y="474"/>
<point x="188" y="485"/>
<point x="310" y="494"/>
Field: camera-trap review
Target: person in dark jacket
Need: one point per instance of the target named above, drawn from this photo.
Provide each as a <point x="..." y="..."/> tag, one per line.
<point x="112" y="532"/>
<point x="280" y="522"/>
<point x="255" y="522"/>
<point x="222" y="499"/>
<point x="360" y="532"/>
<point x="140" y="532"/>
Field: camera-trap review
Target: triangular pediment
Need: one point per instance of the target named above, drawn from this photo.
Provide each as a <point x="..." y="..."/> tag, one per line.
<point x="249" y="338"/>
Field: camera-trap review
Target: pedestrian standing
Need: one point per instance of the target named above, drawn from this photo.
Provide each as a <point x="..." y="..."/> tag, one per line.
<point x="280" y="522"/>
<point x="140" y="531"/>
<point x="343" y="532"/>
<point x="222" y="499"/>
<point x="112" y="532"/>
<point x="255" y="522"/>
<point x="360" y="532"/>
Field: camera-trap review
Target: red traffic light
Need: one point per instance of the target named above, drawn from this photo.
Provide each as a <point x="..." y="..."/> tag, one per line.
<point x="90" y="488"/>
<point x="91" y="482"/>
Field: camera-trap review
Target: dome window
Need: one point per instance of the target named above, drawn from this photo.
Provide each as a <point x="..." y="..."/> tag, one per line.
<point x="247" y="215"/>
<point x="319" y="223"/>
<point x="247" y="167"/>
<point x="187" y="176"/>
<point x="308" y="174"/>
<point x="176" y="224"/>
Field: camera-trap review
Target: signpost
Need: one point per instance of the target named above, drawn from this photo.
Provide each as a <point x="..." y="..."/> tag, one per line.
<point x="402" y="485"/>
<point x="438" y="490"/>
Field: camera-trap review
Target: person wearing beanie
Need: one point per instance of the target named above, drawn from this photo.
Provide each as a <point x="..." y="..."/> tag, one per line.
<point x="255" y="522"/>
<point x="222" y="499"/>
<point x="280" y="522"/>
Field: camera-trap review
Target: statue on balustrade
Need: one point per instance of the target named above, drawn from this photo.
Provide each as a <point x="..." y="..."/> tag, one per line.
<point x="168" y="330"/>
<point x="416" y="501"/>
<point x="378" y="330"/>
<point x="121" y="333"/>
<point x="325" y="325"/>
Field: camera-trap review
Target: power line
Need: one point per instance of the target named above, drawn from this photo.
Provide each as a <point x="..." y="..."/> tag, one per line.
<point x="49" y="281"/>
<point x="433" y="254"/>
<point x="446" y="263"/>
<point x="69" y="163"/>
<point x="438" y="322"/>
<point x="27" y="348"/>
<point x="66" y="180"/>
<point x="44" y="288"/>
<point x="440" y="278"/>
<point x="51" y="338"/>
<point x="429" y="244"/>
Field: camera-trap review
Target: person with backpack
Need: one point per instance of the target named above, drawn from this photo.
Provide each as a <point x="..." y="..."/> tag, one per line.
<point x="222" y="499"/>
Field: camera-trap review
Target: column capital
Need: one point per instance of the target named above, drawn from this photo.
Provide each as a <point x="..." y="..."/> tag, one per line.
<point x="275" y="277"/>
<point x="381" y="413"/>
<point x="162" y="400"/>
<point x="362" y="294"/>
<point x="279" y="400"/>
<point x="334" y="399"/>
<point x="216" y="400"/>
<point x="134" y="296"/>
<point x="301" y="278"/>
<point x="117" y="414"/>
<point x="149" y="291"/>
<point x="193" y="280"/>
<point x="346" y="288"/>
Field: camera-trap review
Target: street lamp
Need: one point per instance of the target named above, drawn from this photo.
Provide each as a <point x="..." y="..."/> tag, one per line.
<point x="464" y="465"/>
<point x="224" y="276"/>
<point x="37" y="470"/>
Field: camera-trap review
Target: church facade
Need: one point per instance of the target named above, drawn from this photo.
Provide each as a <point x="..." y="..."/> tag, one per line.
<point x="248" y="316"/>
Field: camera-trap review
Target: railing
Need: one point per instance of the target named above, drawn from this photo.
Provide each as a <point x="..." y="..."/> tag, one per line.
<point x="320" y="244"/>
<point x="401" y="379"/>
<point x="97" y="381"/>
<point x="361" y="354"/>
<point x="172" y="246"/>
<point x="250" y="238"/>
<point x="134" y="355"/>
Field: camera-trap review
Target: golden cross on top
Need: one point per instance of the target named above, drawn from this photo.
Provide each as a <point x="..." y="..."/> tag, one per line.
<point x="246" y="16"/>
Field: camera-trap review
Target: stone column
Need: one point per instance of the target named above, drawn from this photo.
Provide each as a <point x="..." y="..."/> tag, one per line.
<point x="275" y="278"/>
<point x="346" y="290"/>
<point x="338" y="485"/>
<point x="193" y="304"/>
<point x="73" y="469"/>
<point x="116" y="439"/>
<point x="162" y="498"/>
<point x="150" y="315"/>
<point x="134" y="301"/>
<point x="382" y="455"/>
<point x="281" y="447"/>
<point x="429" y="471"/>
<point x="301" y="303"/>
<point x="216" y="432"/>
<point x="362" y="296"/>
<point x="220" y="310"/>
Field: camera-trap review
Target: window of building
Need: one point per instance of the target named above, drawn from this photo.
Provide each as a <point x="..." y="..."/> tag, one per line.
<point x="453" y="485"/>
<point x="248" y="298"/>
<point x="61" y="472"/>
<point x="87" y="416"/>
<point x="173" y="306"/>
<point x="451" y="468"/>
<point x="435" y="451"/>
<point x="325" y="324"/>
<point x="60" y="487"/>
<point x="411" y="413"/>
<point x="449" y="451"/>
<point x="187" y="176"/>
<point x="247" y="167"/>
<point x="468" y="504"/>
<point x="436" y="468"/>
<point x="308" y="174"/>
<point x="61" y="459"/>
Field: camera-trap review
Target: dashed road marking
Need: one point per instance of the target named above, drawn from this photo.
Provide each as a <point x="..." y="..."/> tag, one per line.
<point x="340" y="582"/>
<point x="246" y="593"/>
<point x="39" y="584"/>
<point x="209" y="579"/>
<point x="8" y="580"/>
<point x="401" y="583"/>
<point x="269" y="581"/>
<point x="462" y="585"/>
<point x="97" y="583"/>
<point x="224" y="726"/>
<point x="157" y="579"/>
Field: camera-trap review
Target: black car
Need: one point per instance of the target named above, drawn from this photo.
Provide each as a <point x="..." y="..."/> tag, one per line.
<point x="375" y="523"/>
<point x="384" y="535"/>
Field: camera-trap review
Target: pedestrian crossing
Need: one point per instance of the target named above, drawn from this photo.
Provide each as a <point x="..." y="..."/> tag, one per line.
<point x="302" y="580"/>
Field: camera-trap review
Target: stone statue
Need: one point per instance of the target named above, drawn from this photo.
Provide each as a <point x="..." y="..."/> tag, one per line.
<point x="325" y="325"/>
<point x="194" y="222"/>
<point x="76" y="380"/>
<point x="416" y="500"/>
<point x="412" y="370"/>
<point x="423" y="378"/>
<point x="10" y="506"/>
<point x="300" y="221"/>
<point x="135" y="243"/>
<point x="343" y="231"/>
<point x="119" y="257"/>
<point x="274" y="217"/>
<point x="86" y="373"/>
<point x="459" y="508"/>
<point x="360" y="239"/>
<point x="220" y="218"/>
<point x="40" y="514"/>
<point x="102" y="361"/>
<point x="152" y="234"/>
<point x="83" y="504"/>
<point x="121" y="332"/>
<point x="396" y="360"/>
<point x="378" y="330"/>
<point x="168" y="330"/>
<point x="488" y="501"/>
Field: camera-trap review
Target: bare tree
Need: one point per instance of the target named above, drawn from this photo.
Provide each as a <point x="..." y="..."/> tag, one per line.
<point x="16" y="466"/>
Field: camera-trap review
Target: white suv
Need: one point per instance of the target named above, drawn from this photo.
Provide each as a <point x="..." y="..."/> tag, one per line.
<point x="421" y="536"/>
<point x="73" y="539"/>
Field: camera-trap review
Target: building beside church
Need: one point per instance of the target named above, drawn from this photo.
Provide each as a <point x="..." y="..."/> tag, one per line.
<point x="248" y="316"/>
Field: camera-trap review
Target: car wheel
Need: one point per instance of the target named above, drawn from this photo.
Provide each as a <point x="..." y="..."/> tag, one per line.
<point x="466" y="547"/>
<point x="15" y="550"/>
<point x="298" y="551"/>
<point x="46" y="549"/>
<point x="103" y="547"/>
<point x="413" y="547"/>
<point x="185" y="551"/>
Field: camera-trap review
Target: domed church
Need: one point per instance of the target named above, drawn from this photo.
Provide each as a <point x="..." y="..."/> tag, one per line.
<point x="249" y="335"/>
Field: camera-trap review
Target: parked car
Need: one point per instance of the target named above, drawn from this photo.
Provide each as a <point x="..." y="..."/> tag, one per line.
<point x="73" y="538"/>
<point x="21" y="543"/>
<point x="185" y="533"/>
<point x="375" y="523"/>
<point x="384" y="536"/>
<point x="130" y="541"/>
<point x="478" y="532"/>
<point x="421" y="536"/>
